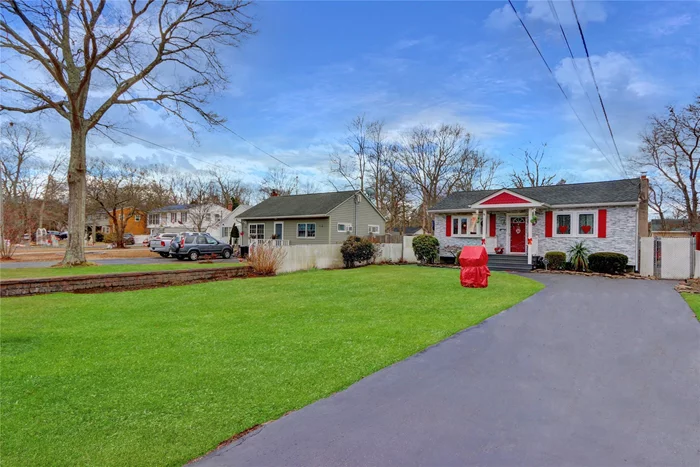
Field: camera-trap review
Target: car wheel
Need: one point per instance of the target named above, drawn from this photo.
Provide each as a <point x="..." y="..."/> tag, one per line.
<point x="164" y="255"/>
<point x="226" y="254"/>
<point x="194" y="255"/>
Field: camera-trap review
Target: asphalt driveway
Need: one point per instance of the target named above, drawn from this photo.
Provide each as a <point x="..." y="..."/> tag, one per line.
<point x="589" y="372"/>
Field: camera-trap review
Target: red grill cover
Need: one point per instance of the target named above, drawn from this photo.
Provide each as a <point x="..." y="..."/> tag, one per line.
<point x="475" y="272"/>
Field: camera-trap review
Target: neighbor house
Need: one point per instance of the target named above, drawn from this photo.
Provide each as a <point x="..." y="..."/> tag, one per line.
<point x="186" y="218"/>
<point x="222" y="231"/>
<point x="320" y="218"/>
<point x="102" y="222"/>
<point x="676" y="228"/>
<point x="528" y="222"/>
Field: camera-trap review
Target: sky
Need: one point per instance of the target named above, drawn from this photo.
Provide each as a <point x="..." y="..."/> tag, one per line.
<point x="313" y="66"/>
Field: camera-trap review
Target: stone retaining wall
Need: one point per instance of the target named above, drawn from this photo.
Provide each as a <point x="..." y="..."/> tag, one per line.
<point x="117" y="282"/>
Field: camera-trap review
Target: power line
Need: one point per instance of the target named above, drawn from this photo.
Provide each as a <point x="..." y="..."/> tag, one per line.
<point x="590" y="67"/>
<point x="559" y="84"/>
<point x="256" y="147"/>
<point x="576" y="69"/>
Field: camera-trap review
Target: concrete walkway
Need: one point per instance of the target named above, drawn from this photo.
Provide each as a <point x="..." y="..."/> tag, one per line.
<point x="589" y="372"/>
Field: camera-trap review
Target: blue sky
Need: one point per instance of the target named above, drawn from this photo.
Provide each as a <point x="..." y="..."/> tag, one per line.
<point x="313" y="66"/>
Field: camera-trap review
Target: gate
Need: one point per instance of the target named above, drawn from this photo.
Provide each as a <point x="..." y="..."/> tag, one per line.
<point x="667" y="258"/>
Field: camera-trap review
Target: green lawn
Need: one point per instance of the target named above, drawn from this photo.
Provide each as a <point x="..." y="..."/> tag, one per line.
<point x="694" y="303"/>
<point x="161" y="376"/>
<point x="166" y="265"/>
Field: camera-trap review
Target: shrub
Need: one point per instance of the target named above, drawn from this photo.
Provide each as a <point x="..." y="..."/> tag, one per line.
<point x="356" y="250"/>
<point x="99" y="237"/>
<point x="578" y="256"/>
<point x="110" y="238"/>
<point x="555" y="259"/>
<point x="607" y="262"/>
<point x="266" y="259"/>
<point x="426" y="248"/>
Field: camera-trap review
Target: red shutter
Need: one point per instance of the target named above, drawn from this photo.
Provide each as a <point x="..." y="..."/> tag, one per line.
<point x="602" y="223"/>
<point x="548" y="224"/>
<point x="492" y="225"/>
<point x="448" y="224"/>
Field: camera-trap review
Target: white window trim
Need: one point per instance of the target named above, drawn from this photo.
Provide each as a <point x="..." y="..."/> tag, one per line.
<point x="574" y="224"/>
<point x="347" y="227"/>
<point x="369" y="229"/>
<point x="137" y="217"/>
<point x="459" y="224"/>
<point x="306" y="229"/>
<point x="250" y="236"/>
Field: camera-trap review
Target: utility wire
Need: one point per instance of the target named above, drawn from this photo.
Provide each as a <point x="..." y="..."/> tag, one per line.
<point x="590" y="67"/>
<point x="256" y="147"/>
<point x="559" y="84"/>
<point x="576" y="69"/>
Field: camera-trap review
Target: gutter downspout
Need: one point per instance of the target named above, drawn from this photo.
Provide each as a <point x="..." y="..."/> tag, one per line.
<point x="637" y="237"/>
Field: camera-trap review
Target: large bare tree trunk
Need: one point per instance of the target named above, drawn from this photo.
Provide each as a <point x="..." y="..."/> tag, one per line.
<point x="75" y="251"/>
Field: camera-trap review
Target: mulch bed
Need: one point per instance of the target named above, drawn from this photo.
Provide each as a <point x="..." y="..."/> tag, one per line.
<point x="627" y="275"/>
<point x="689" y="286"/>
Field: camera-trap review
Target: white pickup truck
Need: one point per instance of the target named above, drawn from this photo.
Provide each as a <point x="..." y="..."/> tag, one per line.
<point x="161" y="244"/>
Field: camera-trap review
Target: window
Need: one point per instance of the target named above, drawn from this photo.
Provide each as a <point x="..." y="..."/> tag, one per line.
<point x="201" y="240"/>
<point x="225" y="232"/>
<point x="586" y="224"/>
<point x="183" y="217"/>
<point x="575" y="224"/>
<point x="467" y="226"/>
<point x="105" y="229"/>
<point x="154" y="219"/>
<point x="306" y="230"/>
<point x="173" y="217"/>
<point x="373" y="229"/>
<point x="137" y="218"/>
<point x="564" y="224"/>
<point x="164" y="218"/>
<point x="256" y="231"/>
<point x="217" y="217"/>
<point x="207" y="217"/>
<point x="344" y="227"/>
<point x="211" y="241"/>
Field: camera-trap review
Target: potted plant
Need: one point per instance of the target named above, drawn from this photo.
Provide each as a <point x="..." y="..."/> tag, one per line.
<point x="498" y="250"/>
<point x="533" y="219"/>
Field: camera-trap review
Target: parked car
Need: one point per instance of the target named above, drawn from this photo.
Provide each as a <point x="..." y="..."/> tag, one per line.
<point x="161" y="244"/>
<point x="195" y="245"/>
<point x="129" y="239"/>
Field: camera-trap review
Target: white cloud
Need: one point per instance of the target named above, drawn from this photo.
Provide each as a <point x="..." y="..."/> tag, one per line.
<point x="669" y="25"/>
<point x="614" y="72"/>
<point x="539" y="10"/>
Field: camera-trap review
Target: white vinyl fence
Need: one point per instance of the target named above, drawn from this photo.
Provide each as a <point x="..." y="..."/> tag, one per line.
<point x="304" y="257"/>
<point x="669" y="258"/>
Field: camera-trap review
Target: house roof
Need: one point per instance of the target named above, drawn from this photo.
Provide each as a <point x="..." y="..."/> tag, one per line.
<point x="316" y="204"/>
<point x="613" y="191"/>
<point x="173" y="207"/>
<point x="673" y="225"/>
<point x="408" y="230"/>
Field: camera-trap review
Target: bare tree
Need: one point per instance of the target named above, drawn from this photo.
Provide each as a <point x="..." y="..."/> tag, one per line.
<point x="352" y="167"/>
<point x="670" y="151"/>
<point x="479" y="172"/>
<point x="162" y="53"/>
<point x="397" y="195"/>
<point x="436" y="161"/>
<point x="232" y="190"/>
<point x="117" y="190"/>
<point x="279" y="182"/>
<point x="534" y="173"/>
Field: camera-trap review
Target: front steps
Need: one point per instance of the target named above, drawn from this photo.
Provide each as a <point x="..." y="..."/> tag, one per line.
<point x="517" y="263"/>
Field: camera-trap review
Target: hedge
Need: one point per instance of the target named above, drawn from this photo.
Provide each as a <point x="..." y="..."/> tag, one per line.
<point x="607" y="262"/>
<point x="426" y="248"/>
<point x="555" y="259"/>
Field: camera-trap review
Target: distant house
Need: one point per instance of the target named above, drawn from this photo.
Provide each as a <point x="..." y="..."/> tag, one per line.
<point x="222" y="231"/>
<point x="320" y="218"/>
<point x="186" y="218"/>
<point x="675" y="228"/>
<point x="135" y="223"/>
<point x="410" y="231"/>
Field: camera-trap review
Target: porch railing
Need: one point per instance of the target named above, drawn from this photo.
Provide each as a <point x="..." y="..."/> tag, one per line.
<point x="276" y="242"/>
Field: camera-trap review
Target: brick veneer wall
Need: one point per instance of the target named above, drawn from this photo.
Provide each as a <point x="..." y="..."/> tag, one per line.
<point x="621" y="236"/>
<point x="121" y="281"/>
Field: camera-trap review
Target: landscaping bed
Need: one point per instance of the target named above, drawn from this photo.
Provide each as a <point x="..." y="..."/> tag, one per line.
<point x="627" y="275"/>
<point x="161" y="376"/>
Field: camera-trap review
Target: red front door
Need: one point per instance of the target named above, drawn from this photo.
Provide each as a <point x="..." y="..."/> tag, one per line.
<point x="517" y="234"/>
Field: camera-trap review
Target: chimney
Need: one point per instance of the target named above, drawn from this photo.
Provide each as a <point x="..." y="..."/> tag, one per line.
<point x="229" y="206"/>
<point x="643" y="212"/>
<point x="274" y="193"/>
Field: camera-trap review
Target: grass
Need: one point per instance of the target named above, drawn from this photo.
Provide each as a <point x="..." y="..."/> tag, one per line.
<point x="24" y="273"/>
<point x="693" y="302"/>
<point x="161" y="376"/>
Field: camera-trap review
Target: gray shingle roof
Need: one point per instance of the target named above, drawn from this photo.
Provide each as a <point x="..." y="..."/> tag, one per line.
<point x="316" y="204"/>
<point x="173" y="207"/>
<point x="613" y="191"/>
